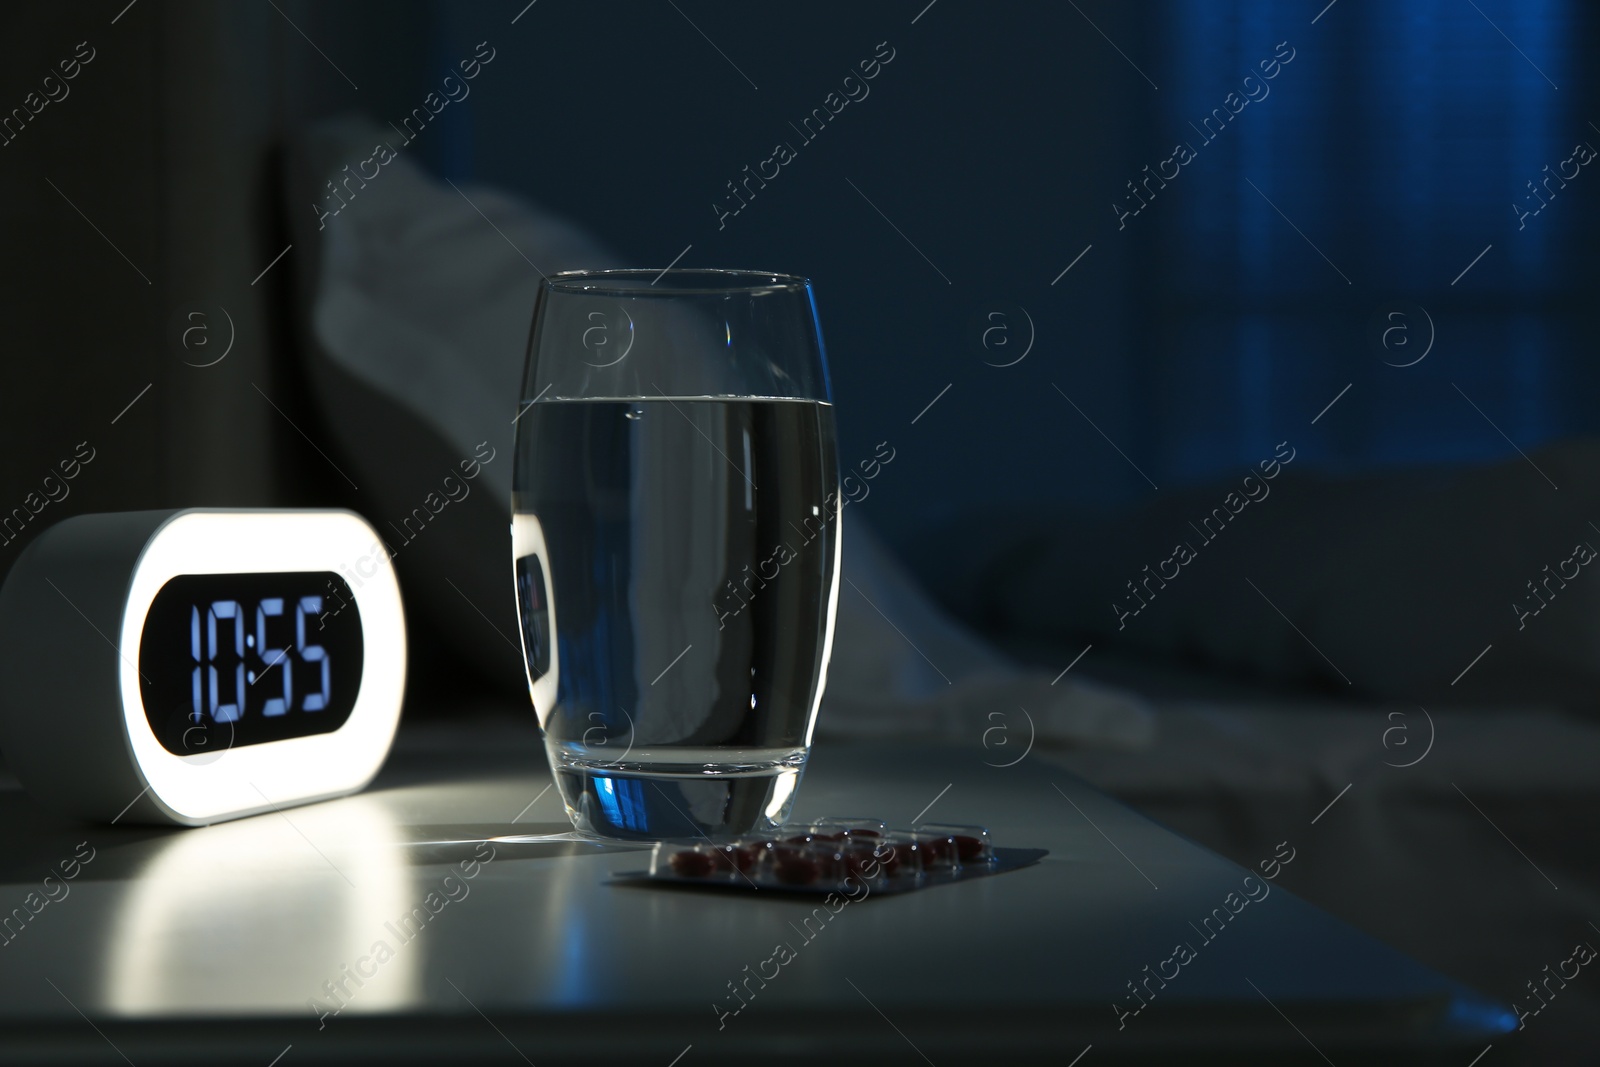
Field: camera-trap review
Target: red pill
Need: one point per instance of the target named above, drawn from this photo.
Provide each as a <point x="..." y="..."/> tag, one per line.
<point x="690" y="864"/>
<point x="968" y="848"/>
<point x="862" y="862"/>
<point x="738" y="857"/>
<point x="795" y="867"/>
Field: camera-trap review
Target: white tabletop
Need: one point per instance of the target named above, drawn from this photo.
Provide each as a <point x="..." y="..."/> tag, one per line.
<point x="210" y="945"/>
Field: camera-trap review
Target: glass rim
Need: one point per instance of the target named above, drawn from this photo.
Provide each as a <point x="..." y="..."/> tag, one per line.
<point x="700" y="280"/>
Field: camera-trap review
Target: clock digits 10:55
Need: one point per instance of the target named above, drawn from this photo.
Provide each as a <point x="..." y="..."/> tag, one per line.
<point x="227" y="660"/>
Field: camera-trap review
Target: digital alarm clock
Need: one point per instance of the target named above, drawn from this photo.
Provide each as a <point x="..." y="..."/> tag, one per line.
<point x="198" y="665"/>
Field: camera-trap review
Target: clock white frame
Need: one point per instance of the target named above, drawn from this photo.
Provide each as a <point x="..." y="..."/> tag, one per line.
<point x="527" y="539"/>
<point x="73" y="720"/>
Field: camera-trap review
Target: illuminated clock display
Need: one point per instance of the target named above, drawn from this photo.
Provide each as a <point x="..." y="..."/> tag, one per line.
<point x="229" y="660"/>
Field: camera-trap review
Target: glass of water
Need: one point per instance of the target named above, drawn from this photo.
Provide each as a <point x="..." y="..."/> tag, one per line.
<point x="675" y="536"/>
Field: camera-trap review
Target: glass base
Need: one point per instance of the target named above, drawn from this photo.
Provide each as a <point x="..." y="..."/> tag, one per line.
<point x="649" y="801"/>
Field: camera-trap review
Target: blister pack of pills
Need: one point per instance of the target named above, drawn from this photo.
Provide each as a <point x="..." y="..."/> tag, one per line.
<point x="828" y="854"/>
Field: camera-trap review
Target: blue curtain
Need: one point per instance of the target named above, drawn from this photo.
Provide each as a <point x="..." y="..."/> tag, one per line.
<point x="1382" y="159"/>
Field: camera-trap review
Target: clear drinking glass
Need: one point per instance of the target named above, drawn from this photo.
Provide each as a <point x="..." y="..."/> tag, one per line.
<point x="675" y="533"/>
